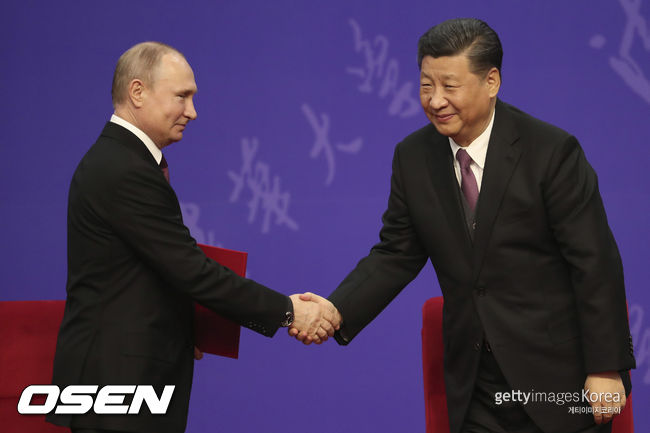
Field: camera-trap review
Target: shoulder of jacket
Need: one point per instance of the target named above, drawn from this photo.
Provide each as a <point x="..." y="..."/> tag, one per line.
<point x="530" y="126"/>
<point x="420" y="137"/>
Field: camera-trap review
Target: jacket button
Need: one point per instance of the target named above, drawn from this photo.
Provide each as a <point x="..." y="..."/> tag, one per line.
<point x="477" y="346"/>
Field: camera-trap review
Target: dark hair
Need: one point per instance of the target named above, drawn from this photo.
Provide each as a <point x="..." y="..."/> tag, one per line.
<point x="471" y="36"/>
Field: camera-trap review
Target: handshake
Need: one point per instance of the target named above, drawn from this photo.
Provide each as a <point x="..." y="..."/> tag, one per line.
<point x="315" y="318"/>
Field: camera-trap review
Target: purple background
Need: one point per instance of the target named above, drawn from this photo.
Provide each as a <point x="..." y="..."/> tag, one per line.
<point x="260" y="67"/>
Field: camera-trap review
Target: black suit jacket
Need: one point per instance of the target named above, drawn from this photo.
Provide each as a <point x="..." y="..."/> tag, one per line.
<point x="542" y="279"/>
<point x="133" y="272"/>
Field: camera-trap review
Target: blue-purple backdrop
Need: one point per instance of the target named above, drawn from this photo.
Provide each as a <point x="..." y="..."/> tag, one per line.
<point x="300" y="105"/>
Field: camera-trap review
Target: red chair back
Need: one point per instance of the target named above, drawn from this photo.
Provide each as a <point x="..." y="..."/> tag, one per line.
<point x="435" y="400"/>
<point x="28" y="332"/>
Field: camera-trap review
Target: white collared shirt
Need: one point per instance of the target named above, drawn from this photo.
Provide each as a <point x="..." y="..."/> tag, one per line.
<point x="155" y="152"/>
<point x="477" y="150"/>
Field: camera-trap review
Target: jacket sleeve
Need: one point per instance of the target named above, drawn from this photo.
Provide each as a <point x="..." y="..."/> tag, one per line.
<point x="145" y="213"/>
<point x="391" y="265"/>
<point x="579" y="224"/>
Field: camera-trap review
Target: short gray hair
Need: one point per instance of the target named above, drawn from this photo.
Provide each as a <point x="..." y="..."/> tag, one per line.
<point x="140" y="61"/>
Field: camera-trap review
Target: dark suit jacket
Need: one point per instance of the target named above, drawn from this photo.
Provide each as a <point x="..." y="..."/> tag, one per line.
<point x="542" y="280"/>
<point x="133" y="272"/>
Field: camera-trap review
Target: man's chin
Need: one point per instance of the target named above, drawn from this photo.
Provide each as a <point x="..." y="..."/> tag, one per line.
<point x="443" y="129"/>
<point x="176" y="137"/>
<point x="171" y="140"/>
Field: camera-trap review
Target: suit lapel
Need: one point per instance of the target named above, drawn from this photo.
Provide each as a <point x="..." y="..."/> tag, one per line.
<point x="502" y="157"/>
<point x="131" y="141"/>
<point x="441" y="169"/>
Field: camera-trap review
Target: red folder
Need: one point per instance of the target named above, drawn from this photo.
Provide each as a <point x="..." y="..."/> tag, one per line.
<point x="213" y="333"/>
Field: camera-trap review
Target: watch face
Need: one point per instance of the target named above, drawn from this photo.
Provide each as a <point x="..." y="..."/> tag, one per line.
<point x="288" y="319"/>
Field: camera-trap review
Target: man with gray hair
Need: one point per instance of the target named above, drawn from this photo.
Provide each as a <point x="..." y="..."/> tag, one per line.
<point x="134" y="271"/>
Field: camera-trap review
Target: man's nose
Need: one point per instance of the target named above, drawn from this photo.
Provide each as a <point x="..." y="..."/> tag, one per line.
<point x="190" y="111"/>
<point x="437" y="100"/>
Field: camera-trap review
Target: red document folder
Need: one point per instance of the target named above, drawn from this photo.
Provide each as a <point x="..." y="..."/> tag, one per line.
<point x="213" y="333"/>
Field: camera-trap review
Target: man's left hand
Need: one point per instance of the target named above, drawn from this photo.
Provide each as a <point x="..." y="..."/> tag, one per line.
<point x="606" y="395"/>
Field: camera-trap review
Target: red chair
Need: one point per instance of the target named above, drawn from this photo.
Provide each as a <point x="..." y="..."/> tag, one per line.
<point x="28" y="331"/>
<point x="435" y="401"/>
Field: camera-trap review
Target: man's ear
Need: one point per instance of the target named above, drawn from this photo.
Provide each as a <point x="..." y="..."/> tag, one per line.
<point x="493" y="81"/>
<point x="136" y="92"/>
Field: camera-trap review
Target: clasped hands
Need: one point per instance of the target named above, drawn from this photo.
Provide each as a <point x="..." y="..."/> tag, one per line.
<point x="315" y="319"/>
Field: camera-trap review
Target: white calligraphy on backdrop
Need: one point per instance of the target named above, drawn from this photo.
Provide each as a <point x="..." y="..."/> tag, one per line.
<point x="381" y="75"/>
<point x="266" y="196"/>
<point x="321" y="126"/>
<point x="626" y="65"/>
<point x="191" y="214"/>
<point x="641" y="339"/>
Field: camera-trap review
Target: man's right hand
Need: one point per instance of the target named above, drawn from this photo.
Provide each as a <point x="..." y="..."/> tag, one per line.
<point x="315" y="318"/>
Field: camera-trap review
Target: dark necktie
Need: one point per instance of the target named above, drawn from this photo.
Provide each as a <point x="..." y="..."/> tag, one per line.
<point x="468" y="182"/>
<point x="164" y="167"/>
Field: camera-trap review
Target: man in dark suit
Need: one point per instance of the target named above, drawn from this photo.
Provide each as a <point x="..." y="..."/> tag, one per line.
<point x="133" y="268"/>
<point x="507" y="209"/>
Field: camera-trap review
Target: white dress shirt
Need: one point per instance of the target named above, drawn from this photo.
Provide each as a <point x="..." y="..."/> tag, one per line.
<point x="477" y="150"/>
<point x="155" y="152"/>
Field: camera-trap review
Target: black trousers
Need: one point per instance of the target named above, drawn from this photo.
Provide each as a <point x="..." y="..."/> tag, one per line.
<point x="485" y="416"/>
